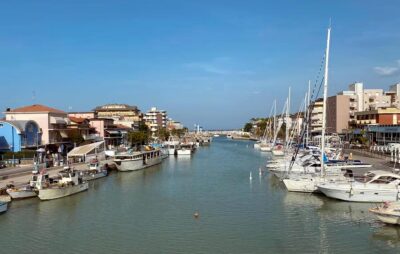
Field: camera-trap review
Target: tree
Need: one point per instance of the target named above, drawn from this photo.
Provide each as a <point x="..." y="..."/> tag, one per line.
<point x="163" y="134"/>
<point x="248" y="127"/>
<point x="138" y="137"/>
<point x="75" y="136"/>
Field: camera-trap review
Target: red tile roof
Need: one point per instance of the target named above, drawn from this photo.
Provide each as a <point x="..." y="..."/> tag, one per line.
<point x="121" y="126"/>
<point x="76" y="119"/>
<point x="36" y="108"/>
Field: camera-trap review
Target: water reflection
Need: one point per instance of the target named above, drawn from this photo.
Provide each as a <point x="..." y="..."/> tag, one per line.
<point x="388" y="234"/>
<point x="345" y="211"/>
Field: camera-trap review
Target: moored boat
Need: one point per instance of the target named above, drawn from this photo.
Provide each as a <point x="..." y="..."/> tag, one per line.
<point x="95" y="171"/>
<point x="388" y="212"/>
<point x="375" y="186"/>
<point x="38" y="180"/>
<point x="138" y="160"/>
<point x="69" y="184"/>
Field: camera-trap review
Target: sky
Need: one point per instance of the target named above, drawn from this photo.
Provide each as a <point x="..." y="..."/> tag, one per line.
<point x="213" y="63"/>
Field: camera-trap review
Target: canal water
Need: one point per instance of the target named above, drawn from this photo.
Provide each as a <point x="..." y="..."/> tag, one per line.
<point x="151" y="211"/>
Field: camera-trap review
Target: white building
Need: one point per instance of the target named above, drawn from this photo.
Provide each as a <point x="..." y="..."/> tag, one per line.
<point x="155" y="119"/>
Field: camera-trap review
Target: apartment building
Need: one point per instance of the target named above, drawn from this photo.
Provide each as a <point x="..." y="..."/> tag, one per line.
<point x="122" y="114"/>
<point x="155" y="119"/>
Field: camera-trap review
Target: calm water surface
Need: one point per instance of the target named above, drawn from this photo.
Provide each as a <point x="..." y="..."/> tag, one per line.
<point x="151" y="211"/>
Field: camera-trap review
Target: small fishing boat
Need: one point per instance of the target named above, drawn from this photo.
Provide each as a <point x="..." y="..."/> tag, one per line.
<point x="69" y="184"/>
<point x="95" y="171"/>
<point x="388" y="212"/>
<point x="37" y="181"/>
<point x="3" y="207"/>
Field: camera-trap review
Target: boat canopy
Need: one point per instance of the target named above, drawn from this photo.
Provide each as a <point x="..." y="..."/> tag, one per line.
<point x="87" y="150"/>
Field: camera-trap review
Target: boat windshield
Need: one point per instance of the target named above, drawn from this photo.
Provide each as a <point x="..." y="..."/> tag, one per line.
<point x="384" y="179"/>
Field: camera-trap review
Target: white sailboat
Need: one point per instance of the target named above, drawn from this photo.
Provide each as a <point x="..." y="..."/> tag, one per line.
<point x="309" y="182"/>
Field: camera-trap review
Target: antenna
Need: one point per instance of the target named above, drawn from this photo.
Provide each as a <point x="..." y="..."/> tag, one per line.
<point x="33" y="96"/>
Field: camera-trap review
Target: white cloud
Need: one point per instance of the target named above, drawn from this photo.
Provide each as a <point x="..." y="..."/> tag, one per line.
<point x="388" y="70"/>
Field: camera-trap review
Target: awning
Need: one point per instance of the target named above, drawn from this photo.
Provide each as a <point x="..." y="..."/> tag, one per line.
<point x="113" y="132"/>
<point x="86" y="149"/>
<point x="57" y="120"/>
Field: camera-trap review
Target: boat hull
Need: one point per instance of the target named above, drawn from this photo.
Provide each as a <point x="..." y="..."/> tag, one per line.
<point x="185" y="152"/>
<point x="278" y="153"/>
<point x="359" y="195"/>
<point x="21" y="194"/>
<point x="388" y="218"/>
<point x="133" y="165"/>
<point x="54" y="193"/>
<point x="265" y="149"/>
<point x="94" y="176"/>
<point x="301" y="185"/>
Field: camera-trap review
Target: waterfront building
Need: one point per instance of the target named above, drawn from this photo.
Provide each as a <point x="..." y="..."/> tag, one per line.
<point x="87" y="114"/>
<point x="123" y="114"/>
<point x="19" y="134"/>
<point x="174" y="125"/>
<point x="316" y="117"/>
<point x="338" y="110"/>
<point x="383" y="134"/>
<point x="380" y="116"/>
<point x="155" y="119"/>
<point x="81" y="127"/>
<point x="52" y="122"/>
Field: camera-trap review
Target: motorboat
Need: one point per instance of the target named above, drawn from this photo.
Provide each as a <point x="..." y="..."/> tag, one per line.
<point x="388" y="212"/>
<point x="375" y="186"/>
<point x="132" y="161"/>
<point x="69" y="184"/>
<point x="94" y="171"/>
<point x="184" y="151"/>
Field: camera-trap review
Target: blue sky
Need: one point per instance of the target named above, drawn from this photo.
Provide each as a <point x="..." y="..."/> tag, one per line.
<point x="217" y="63"/>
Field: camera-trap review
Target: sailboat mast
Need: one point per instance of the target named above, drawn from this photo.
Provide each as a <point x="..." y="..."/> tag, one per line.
<point x="274" y="128"/>
<point x="287" y="120"/>
<point x="325" y="98"/>
<point x="308" y="109"/>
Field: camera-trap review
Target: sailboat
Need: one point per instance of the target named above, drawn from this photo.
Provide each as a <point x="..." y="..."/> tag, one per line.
<point x="309" y="182"/>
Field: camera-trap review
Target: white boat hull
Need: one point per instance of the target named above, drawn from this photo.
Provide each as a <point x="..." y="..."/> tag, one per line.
<point x="301" y="185"/>
<point x="54" y="193"/>
<point x="266" y="149"/>
<point x="184" y="152"/>
<point x="133" y="165"/>
<point x="256" y="146"/>
<point x="359" y="194"/>
<point x="389" y="219"/>
<point x="278" y="153"/>
<point x="171" y="151"/>
<point x="21" y="194"/>
<point x="3" y="207"/>
<point x="94" y="176"/>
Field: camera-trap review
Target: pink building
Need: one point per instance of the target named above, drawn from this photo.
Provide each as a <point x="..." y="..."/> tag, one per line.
<point x="52" y="122"/>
